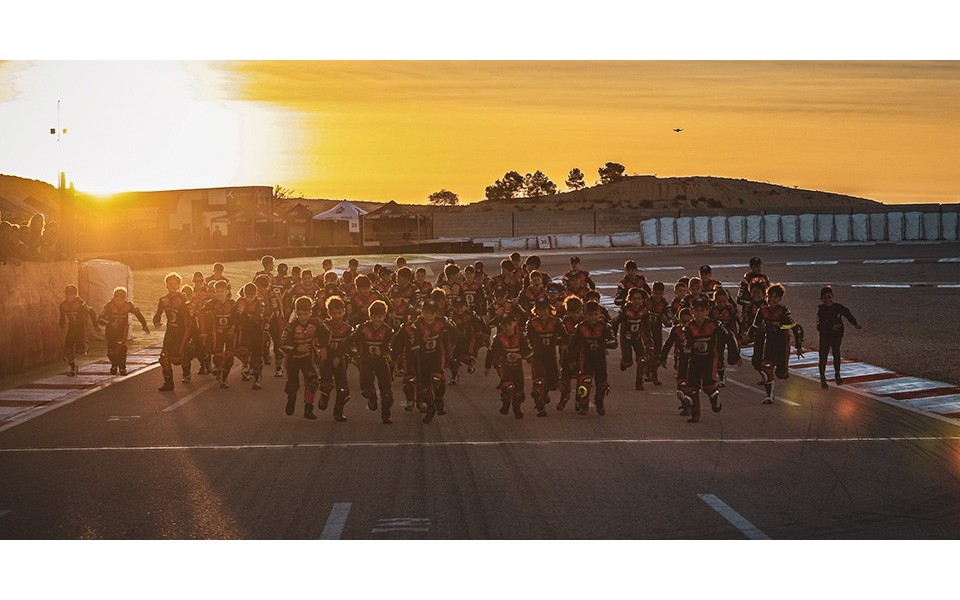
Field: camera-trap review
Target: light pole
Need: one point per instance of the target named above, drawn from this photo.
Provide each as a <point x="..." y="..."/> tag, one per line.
<point x="68" y="213"/>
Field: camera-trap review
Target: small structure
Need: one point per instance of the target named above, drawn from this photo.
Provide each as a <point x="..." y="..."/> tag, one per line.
<point x="251" y="228"/>
<point x="338" y="226"/>
<point x="299" y="221"/>
<point x="393" y="224"/>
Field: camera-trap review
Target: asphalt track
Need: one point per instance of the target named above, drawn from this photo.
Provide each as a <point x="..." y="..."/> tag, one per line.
<point x="128" y="462"/>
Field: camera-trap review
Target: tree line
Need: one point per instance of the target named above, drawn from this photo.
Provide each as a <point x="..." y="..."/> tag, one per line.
<point x="532" y="185"/>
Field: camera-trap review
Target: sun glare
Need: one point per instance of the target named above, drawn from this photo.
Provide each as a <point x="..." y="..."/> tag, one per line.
<point x="140" y="126"/>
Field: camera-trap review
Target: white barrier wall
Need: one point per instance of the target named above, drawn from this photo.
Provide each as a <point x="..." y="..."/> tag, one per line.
<point x="788" y="229"/>
<point x="949" y="224"/>
<point x="861" y="227"/>
<point x="701" y="230"/>
<point x="931" y="226"/>
<point x="592" y="240"/>
<point x="895" y="227"/>
<point x="684" y="231"/>
<point x="98" y="278"/>
<point x="735" y="227"/>
<point x="841" y="228"/>
<point x="567" y="240"/>
<point x="754" y="229"/>
<point x="771" y="229"/>
<point x="911" y="226"/>
<point x="649" y="230"/>
<point x="492" y="242"/>
<point x="627" y="240"/>
<point x="718" y="230"/>
<point x="667" y="234"/>
<point x="808" y="228"/>
<point x="513" y="243"/>
<point x="878" y="227"/>
<point x="825" y="228"/>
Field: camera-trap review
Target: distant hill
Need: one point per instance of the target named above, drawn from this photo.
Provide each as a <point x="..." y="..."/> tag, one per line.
<point x="650" y="192"/>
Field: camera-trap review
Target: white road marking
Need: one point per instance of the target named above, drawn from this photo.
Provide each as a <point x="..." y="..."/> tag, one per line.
<point x="73" y="396"/>
<point x="190" y="396"/>
<point x="948" y="286"/>
<point x="812" y="263"/>
<point x="412" y="524"/>
<point x="730" y="266"/>
<point x="333" y="528"/>
<point x="889" y="261"/>
<point x="881" y="285"/>
<point x="736" y="519"/>
<point x="761" y="392"/>
<point x="122" y="418"/>
<point x="674" y="268"/>
<point x="488" y="443"/>
<point x="949" y="260"/>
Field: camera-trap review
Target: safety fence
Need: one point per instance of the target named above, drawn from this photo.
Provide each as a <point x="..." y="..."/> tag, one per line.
<point x="755" y="229"/>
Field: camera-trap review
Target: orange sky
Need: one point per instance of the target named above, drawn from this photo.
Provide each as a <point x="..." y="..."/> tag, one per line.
<point x="401" y="130"/>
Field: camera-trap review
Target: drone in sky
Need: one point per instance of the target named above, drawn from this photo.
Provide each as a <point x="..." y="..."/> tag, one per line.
<point x="678" y="130"/>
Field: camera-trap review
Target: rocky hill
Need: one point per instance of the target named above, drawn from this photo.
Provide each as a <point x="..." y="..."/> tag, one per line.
<point x="650" y="192"/>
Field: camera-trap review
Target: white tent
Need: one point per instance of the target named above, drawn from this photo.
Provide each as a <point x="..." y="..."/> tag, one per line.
<point x="345" y="211"/>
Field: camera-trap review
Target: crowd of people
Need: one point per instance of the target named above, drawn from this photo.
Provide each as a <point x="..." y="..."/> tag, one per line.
<point x="31" y="240"/>
<point x="392" y="323"/>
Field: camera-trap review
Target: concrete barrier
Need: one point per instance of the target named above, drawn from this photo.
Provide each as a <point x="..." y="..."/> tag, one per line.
<point x="626" y="240"/>
<point x="895" y="227"/>
<point x="878" y="227"/>
<point x="861" y="227"/>
<point x="754" y="229"/>
<point x="567" y="240"/>
<point x="513" y="243"/>
<point x="718" y="230"/>
<point x="735" y="227"/>
<point x="701" y="230"/>
<point x="649" y="230"/>
<point x="771" y="229"/>
<point x="825" y="223"/>
<point x="949" y="223"/>
<point x="594" y="240"/>
<point x="841" y="228"/>
<point x="931" y="226"/>
<point x="789" y="229"/>
<point x="911" y="226"/>
<point x="685" y="231"/>
<point x="808" y="228"/>
<point x="667" y="228"/>
<point x="30" y="333"/>
<point x="489" y="242"/>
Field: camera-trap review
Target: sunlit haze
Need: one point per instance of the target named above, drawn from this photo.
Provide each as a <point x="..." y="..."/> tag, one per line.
<point x="889" y="131"/>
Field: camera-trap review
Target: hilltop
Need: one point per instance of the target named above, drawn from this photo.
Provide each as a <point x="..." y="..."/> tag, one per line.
<point x="665" y="193"/>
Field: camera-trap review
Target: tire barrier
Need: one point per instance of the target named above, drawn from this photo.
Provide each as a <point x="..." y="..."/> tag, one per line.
<point x="754" y="229"/>
<point x="701" y="230"/>
<point x="771" y="229"/>
<point x="668" y="231"/>
<point x="808" y="228"/>
<point x="735" y="226"/>
<point x="685" y="231"/>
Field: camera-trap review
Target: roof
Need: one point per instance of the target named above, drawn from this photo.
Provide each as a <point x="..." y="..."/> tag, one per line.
<point x="344" y="211"/>
<point x="391" y="210"/>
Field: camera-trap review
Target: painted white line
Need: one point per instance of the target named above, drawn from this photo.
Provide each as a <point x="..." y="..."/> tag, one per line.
<point x="731" y="266"/>
<point x="333" y="528"/>
<point x="662" y="268"/>
<point x="404" y="524"/>
<point x="812" y="263"/>
<point x="115" y="418"/>
<point x="736" y="519"/>
<point x="488" y="443"/>
<point x="190" y="396"/>
<point x="889" y="261"/>
<point x="949" y="286"/>
<point x="949" y="260"/>
<point x="72" y="397"/>
<point x="881" y="285"/>
<point x="760" y="391"/>
<point x="389" y="529"/>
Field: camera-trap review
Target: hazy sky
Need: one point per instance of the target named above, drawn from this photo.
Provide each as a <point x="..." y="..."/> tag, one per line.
<point x="401" y="130"/>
